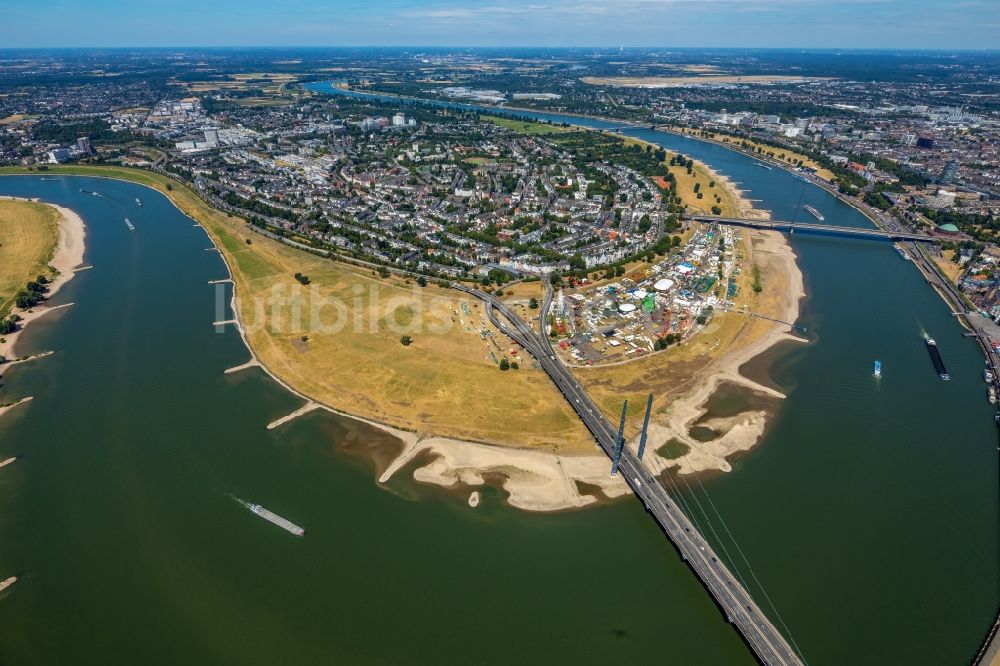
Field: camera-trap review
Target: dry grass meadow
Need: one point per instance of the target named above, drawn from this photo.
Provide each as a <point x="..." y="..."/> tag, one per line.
<point x="28" y="235"/>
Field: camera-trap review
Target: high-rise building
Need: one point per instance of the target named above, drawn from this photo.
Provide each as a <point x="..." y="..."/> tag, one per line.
<point x="399" y="120"/>
<point x="83" y="143"/>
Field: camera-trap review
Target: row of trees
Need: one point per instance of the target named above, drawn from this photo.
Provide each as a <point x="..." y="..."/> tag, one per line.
<point x="666" y="340"/>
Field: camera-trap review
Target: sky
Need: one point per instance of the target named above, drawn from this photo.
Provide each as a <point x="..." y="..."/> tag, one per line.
<point x="908" y="24"/>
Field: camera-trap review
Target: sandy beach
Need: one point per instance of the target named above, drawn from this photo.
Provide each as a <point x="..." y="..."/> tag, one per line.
<point x="67" y="258"/>
<point x="743" y="431"/>
<point x="534" y="480"/>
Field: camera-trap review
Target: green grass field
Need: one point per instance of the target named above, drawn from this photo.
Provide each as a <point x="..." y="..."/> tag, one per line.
<point x="527" y="127"/>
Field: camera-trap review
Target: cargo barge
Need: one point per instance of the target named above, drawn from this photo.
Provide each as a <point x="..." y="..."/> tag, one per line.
<point x="932" y="349"/>
<point x="276" y="519"/>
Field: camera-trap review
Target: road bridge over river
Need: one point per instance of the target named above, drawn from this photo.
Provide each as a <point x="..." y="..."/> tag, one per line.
<point x="809" y="228"/>
<point x="767" y="643"/>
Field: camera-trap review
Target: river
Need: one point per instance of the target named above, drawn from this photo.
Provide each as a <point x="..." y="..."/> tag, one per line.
<point x="869" y="512"/>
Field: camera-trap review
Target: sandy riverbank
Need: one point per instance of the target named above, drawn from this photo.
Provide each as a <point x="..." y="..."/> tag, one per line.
<point x="534" y="480"/>
<point x="744" y="207"/>
<point x="68" y="257"/>
<point x="743" y="431"/>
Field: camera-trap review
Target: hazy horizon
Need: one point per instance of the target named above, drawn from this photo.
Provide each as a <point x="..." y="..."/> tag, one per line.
<point x="487" y="47"/>
<point x="849" y="24"/>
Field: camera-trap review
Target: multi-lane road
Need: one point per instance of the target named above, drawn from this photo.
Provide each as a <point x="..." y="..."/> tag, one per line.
<point x="828" y="229"/>
<point x="767" y="643"/>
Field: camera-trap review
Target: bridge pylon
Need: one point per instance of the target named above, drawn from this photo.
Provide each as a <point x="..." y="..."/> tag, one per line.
<point x="645" y="426"/>
<point x="620" y="443"/>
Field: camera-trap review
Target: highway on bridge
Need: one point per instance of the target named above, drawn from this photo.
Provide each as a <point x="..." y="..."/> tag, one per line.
<point x="828" y="229"/>
<point x="767" y="643"/>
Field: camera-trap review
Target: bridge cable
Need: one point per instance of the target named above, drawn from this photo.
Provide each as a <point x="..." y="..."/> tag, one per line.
<point x="692" y="516"/>
<point x="659" y="463"/>
<point x="685" y="506"/>
<point x="740" y="550"/>
<point x="750" y="569"/>
<point x="718" y="539"/>
<point x="676" y="492"/>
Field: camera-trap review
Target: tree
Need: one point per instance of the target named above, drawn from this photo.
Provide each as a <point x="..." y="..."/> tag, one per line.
<point x="26" y="299"/>
<point x="504" y="364"/>
<point x="9" y="324"/>
<point x="422" y="281"/>
<point x="716" y="210"/>
<point x="170" y="188"/>
<point x="533" y="303"/>
<point x="406" y="341"/>
<point x="514" y="365"/>
<point x="666" y="341"/>
<point x="383" y="272"/>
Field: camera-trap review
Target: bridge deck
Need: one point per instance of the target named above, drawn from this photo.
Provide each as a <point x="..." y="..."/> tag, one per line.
<point x="800" y="227"/>
<point x="767" y="643"/>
